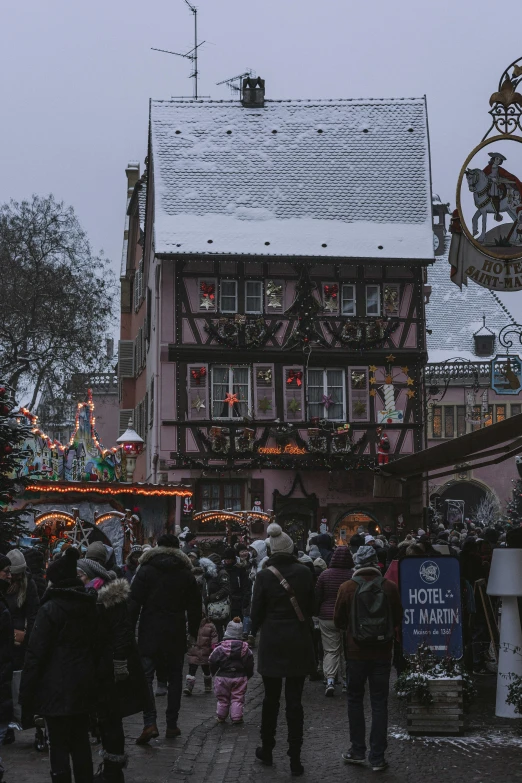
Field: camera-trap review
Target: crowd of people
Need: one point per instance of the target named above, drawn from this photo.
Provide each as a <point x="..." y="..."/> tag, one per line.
<point x="85" y="644"/>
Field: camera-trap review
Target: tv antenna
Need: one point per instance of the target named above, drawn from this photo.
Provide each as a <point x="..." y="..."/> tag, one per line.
<point x="193" y="53"/>
<point x="235" y="83"/>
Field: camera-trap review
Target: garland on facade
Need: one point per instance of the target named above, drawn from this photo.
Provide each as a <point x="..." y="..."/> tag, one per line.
<point x="306" y="307"/>
<point x="363" y="333"/>
<point x="280" y="460"/>
<point x="239" y="331"/>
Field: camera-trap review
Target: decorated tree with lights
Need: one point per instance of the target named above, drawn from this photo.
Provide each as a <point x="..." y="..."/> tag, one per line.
<point x="514" y="506"/>
<point x="307" y="308"/>
<point x="13" y="432"/>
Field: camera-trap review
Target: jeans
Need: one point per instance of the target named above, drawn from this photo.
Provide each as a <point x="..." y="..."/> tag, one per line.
<point x="294" y="712"/>
<point x="205" y="668"/>
<point x="69" y="737"/>
<point x="333" y="661"/>
<point x="378" y="675"/>
<point x="172" y="670"/>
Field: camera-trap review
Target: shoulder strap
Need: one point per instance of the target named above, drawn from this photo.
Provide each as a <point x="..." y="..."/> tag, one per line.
<point x="290" y="591"/>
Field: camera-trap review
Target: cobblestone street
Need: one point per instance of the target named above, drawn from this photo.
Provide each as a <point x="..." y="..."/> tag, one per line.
<point x="490" y="750"/>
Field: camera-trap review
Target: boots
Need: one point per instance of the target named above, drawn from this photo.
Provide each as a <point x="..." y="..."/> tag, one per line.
<point x="189" y="685"/>
<point x="208" y="684"/>
<point x="111" y="771"/>
<point x="61" y="777"/>
<point x="295" y="723"/>
<point x="264" y="755"/>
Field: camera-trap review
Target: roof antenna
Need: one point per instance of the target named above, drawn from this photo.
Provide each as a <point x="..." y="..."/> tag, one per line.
<point x="231" y="83"/>
<point x="193" y="53"/>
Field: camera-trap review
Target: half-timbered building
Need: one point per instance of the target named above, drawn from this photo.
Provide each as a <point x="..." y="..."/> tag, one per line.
<point x="273" y="291"/>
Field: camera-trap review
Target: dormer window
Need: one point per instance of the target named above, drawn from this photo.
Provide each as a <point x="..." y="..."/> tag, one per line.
<point x="484" y="340"/>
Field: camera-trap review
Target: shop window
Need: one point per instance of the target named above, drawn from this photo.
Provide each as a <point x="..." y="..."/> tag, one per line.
<point x="437" y="421"/>
<point x="516" y="410"/>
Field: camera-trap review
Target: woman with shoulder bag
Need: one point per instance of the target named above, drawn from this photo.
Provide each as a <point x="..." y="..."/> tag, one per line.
<point x="282" y="608"/>
<point x="218" y="597"/>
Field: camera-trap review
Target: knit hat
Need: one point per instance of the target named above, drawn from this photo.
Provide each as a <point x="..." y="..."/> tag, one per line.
<point x="62" y="572"/>
<point x="17" y="560"/>
<point x="367" y="540"/>
<point x="96" y="551"/>
<point x="320" y="563"/>
<point x="214" y="558"/>
<point x="365" y="556"/>
<point x="93" y="570"/>
<point x="136" y="549"/>
<point x="279" y="541"/>
<point x="421" y="532"/>
<point x="234" y="629"/>
<point x="229" y="554"/>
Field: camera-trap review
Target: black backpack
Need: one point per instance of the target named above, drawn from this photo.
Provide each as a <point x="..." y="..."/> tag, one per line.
<point x="371" y="621"/>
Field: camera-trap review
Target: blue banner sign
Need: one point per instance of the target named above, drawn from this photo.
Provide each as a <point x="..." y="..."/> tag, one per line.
<point x="430" y="594"/>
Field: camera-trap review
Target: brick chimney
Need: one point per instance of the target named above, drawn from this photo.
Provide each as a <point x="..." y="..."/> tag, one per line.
<point x="253" y="92"/>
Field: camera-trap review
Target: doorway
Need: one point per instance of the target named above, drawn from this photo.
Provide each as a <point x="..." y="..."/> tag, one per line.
<point x="347" y="526"/>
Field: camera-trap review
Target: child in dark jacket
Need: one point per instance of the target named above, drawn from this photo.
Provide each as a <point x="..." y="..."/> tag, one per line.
<point x="199" y="654"/>
<point x="232" y="665"/>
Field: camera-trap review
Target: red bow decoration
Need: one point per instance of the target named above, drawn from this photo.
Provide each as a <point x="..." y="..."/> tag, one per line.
<point x="330" y="291"/>
<point x="295" y="375"/>
<point x="207" y="290"/>
<point x="198" y="374"/>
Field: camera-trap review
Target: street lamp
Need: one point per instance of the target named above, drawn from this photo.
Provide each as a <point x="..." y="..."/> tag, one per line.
<point x="132" y="446"/>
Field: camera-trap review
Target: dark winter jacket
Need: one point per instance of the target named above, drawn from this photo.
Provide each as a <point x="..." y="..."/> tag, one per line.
<point x="286" y="646"/>
<point x="23" y="616"/>
<point x="325" y="545"/>
<point x="329" y="582"/>
<point x="218" y="585"/>
<point x="343" y="608"/>
<point x="36" y="565"/>
<point x="129" y="571"/>
<point x="59" y="675"/>
<point x="240" y="589"/>
<point x="117" y="642"/>
<point x="6" y="657"/>
<point x="232" y="658"/>
<point x="207" y="639"/>
<point x="166" y="592"/>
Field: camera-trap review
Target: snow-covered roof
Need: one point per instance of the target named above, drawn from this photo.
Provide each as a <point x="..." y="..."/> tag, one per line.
<point x="331" y="178"/>
<point x="454" y="316"/>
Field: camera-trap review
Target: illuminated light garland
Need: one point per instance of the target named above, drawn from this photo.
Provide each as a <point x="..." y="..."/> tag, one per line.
<point x="97" y="489"/>
<point x="288" y="449"/>
<point x="55" y="515"/>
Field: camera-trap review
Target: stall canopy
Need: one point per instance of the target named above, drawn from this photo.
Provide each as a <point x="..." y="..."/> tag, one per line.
<point x="487" y="446"/>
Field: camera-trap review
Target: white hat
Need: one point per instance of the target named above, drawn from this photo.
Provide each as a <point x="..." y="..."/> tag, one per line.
<point x="367" y="539"/>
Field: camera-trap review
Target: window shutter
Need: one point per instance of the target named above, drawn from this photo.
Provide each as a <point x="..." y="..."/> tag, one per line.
<point x="125" y="415"/>
<point x="126" y="359"/>
<point x="293" y="392"/>
<point x="264" y="392"/>
<point x="391" y="299"/>
<point x="136" y="284"/>
<point x="198" y="397"/>
<point x="151" y="416"/>
<point x="146" y="412"/>
<point x="359" y="394"/>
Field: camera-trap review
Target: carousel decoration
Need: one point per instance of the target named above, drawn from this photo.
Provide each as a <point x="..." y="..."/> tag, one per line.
<point x="486" y="227"/>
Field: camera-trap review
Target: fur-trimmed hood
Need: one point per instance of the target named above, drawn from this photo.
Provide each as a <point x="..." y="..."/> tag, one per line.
<point x="165" y="556"/>
<point x="207" y="566"/>
<point x="113" y="593"/>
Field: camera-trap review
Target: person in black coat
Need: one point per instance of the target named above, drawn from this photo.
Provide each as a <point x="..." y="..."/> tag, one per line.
<point x="240" y="585"/>
<point x="59" y="676"/>
<point x="166" y="593"/>
<point x="23" y="602"/>
<point x="36" y="564"/>
<point x="6" y="654"/>
<point x="286" y="647"/>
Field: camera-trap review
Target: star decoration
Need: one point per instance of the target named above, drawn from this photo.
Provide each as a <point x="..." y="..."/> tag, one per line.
<point x="410" y="393"/>
<point x="390" y="358"/>
<point x="410" y="381"/>
<point x="372" y="381"/>
<point x="293" y="406"/>
<point x="264" y="404"/>
<point x="198" y="404"/>
<point x="79" y="535"/>
<point x="231" y="399"/>
<point x="331" y="306"/>
<point x="372" y="393"/>
<point x="327" y="400"/>
<point x="405" y="370"/>
<point x="373" y="368"/>
<point x="207" y="304"/>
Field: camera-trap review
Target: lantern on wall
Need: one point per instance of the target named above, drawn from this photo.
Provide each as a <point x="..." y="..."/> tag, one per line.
<point x="132" y="446"/>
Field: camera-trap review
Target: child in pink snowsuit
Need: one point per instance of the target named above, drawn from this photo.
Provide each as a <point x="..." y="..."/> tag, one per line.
<point x="232" y="665"/>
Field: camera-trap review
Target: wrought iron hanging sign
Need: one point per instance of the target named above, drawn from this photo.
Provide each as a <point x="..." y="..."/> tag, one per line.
<point x="486" y="245"/>
<point x="506" y="374"/>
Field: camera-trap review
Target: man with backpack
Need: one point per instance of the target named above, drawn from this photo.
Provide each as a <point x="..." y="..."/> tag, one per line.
<point x="369" y="608"/>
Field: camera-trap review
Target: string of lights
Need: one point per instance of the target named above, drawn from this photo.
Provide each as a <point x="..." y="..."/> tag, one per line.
<point x="100" y="489"/>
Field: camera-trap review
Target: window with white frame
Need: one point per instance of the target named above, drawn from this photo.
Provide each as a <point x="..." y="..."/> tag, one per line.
<point x="230" y="392"/>
<point x="253" y="296"/>
<point x="373" y="300"/>
<point x="348" y="300"/>
<point x="325" y="391"/>
<point x="228" y="296"/>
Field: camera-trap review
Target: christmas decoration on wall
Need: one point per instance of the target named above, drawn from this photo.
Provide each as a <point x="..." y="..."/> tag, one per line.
<point x="360" y="334"/>
<point x="242" y="332"/>
<point x="198" y="404"/>
<point x="391" y="300"/>
<point x="294" y="378"/>
<point x="264" y="404"/>
<point x="207" y="295"/>
<point x="306" y="307"/>
<point x="231" y="398"/>
<point x="389" y="414"/>
<point x="274" y="295"/>
<point x="265" y="375"/>
<point x="331" y="297"/>
<point x="293" y="406"/>
<point x="244" y="440"/>
<point x="327" y="400"/>
<point x="383" y="447"/>
<point x="219" y="440"/>
<point x="198" y="374"/>
<point x="258" y="506"/>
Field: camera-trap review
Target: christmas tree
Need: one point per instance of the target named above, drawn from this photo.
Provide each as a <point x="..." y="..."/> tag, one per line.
<point x="514" y="506"/>
<point x="307" y="308"/>
<point x="13" y="432"/>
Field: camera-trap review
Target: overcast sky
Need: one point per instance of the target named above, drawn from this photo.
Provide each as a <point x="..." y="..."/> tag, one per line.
<point x="77" y="78"/>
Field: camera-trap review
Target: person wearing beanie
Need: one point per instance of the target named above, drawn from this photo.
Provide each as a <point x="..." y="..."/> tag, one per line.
<point x="164" y="599"/>
<point x="59" y="678"/>
<point x="97" y="551"/>
<point x="371" y="661"/>
<point x="92" y="574"/>
<point x="131" y="562"/>
<point x="6" y="654"/>
<point x="232" y="665"/>
<point x="286" y="649"/>
<point x="23" y="602"/>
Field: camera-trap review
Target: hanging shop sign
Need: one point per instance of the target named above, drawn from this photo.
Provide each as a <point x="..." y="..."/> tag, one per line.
<point x="430" y="595"/>
<point x="486" y="227"/>
<point x="506" y="374"/>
